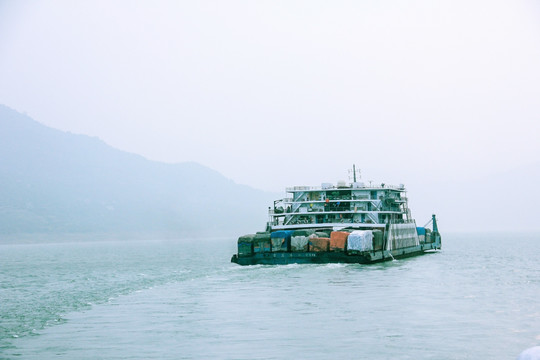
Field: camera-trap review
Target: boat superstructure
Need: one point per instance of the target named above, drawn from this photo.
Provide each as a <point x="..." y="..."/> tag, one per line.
<point x="377" y="214"/>
<point x="335" y="205"/>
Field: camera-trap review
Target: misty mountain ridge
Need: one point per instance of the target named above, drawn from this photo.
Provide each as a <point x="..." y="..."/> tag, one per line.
<point x="54" y="182"/>
<point x="58" y="182"/>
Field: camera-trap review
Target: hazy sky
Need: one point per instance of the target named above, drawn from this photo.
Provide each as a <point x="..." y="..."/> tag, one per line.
<point x="279" y="93"/>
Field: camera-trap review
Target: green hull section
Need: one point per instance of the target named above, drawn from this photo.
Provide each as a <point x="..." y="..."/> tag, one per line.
<point x="284" y="258"/>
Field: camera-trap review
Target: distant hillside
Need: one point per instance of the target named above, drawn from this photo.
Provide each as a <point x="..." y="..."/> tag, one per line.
<point x="57" y="182"/>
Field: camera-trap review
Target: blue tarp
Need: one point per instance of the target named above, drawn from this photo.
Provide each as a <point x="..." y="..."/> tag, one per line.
<point x="421" y="230"/>
<point x="284" y="234"/>
<point x="281" y="240"/>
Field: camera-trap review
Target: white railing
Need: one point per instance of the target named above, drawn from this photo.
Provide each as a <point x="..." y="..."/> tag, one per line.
<point x="320" y="212"/>
<point x="343" y="200"/>
<point x="291" y="189"/>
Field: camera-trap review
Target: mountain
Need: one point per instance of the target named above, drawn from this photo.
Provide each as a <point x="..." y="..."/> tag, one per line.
<point x="54" y="182"/>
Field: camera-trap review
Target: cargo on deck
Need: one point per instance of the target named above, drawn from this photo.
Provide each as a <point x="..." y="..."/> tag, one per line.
<point x="360" y="240"/>
<point x="261" y="243"/>
<point x="281" y="240"/>
<point x="319" y="244"/>
<point x="338" y="239"/>
<point x="299" y="243"/>
<point x="245" y="245"/>
<point x="377" y="240"/>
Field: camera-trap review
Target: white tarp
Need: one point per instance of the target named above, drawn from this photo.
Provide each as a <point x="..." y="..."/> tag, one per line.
<point x="299" y="243"/>
<point x="402" y="236"/>
<point x="360" y="240"/>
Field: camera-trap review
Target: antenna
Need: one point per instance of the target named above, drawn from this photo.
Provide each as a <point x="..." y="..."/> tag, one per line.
<point x="353" y="172"/>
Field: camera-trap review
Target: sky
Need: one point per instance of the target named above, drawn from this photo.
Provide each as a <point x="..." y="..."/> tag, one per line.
<point x="281" y="93"/>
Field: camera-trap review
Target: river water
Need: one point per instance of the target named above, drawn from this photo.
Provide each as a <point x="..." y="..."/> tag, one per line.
<point x="478" y="298"/>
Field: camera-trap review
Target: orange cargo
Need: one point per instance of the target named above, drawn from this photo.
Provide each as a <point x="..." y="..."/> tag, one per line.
<point x="319" y="244"/>
<point x="338" y="240"/>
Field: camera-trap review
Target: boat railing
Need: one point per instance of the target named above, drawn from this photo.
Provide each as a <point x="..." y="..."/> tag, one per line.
<point x="348" y="187"/>
<point x="402" y="222"/>
<point x="351" y="198"/>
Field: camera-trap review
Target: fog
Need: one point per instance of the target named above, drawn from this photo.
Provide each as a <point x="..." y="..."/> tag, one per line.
<point x="281" y="93"/>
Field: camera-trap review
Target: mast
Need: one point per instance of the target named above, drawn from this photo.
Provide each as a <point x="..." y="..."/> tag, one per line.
<point x="435" y="227"/>
<point x="354" y="173"/>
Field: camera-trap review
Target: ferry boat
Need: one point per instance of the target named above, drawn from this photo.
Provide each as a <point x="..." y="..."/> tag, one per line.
<point x="339" y="223"/>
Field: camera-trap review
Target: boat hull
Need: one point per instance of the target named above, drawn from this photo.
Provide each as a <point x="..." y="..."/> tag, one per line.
<point x="368" y="257"/>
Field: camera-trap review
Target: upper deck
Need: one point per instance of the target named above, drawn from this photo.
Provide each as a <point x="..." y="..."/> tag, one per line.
<point x="354" y="203"/>
<point x="342" y="186"/>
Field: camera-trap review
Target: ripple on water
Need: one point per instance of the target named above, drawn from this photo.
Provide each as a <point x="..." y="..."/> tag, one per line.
<point x="159" y="300"/>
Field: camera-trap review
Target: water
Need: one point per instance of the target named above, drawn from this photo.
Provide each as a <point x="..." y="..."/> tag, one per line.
<point x="477" y="299"/>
